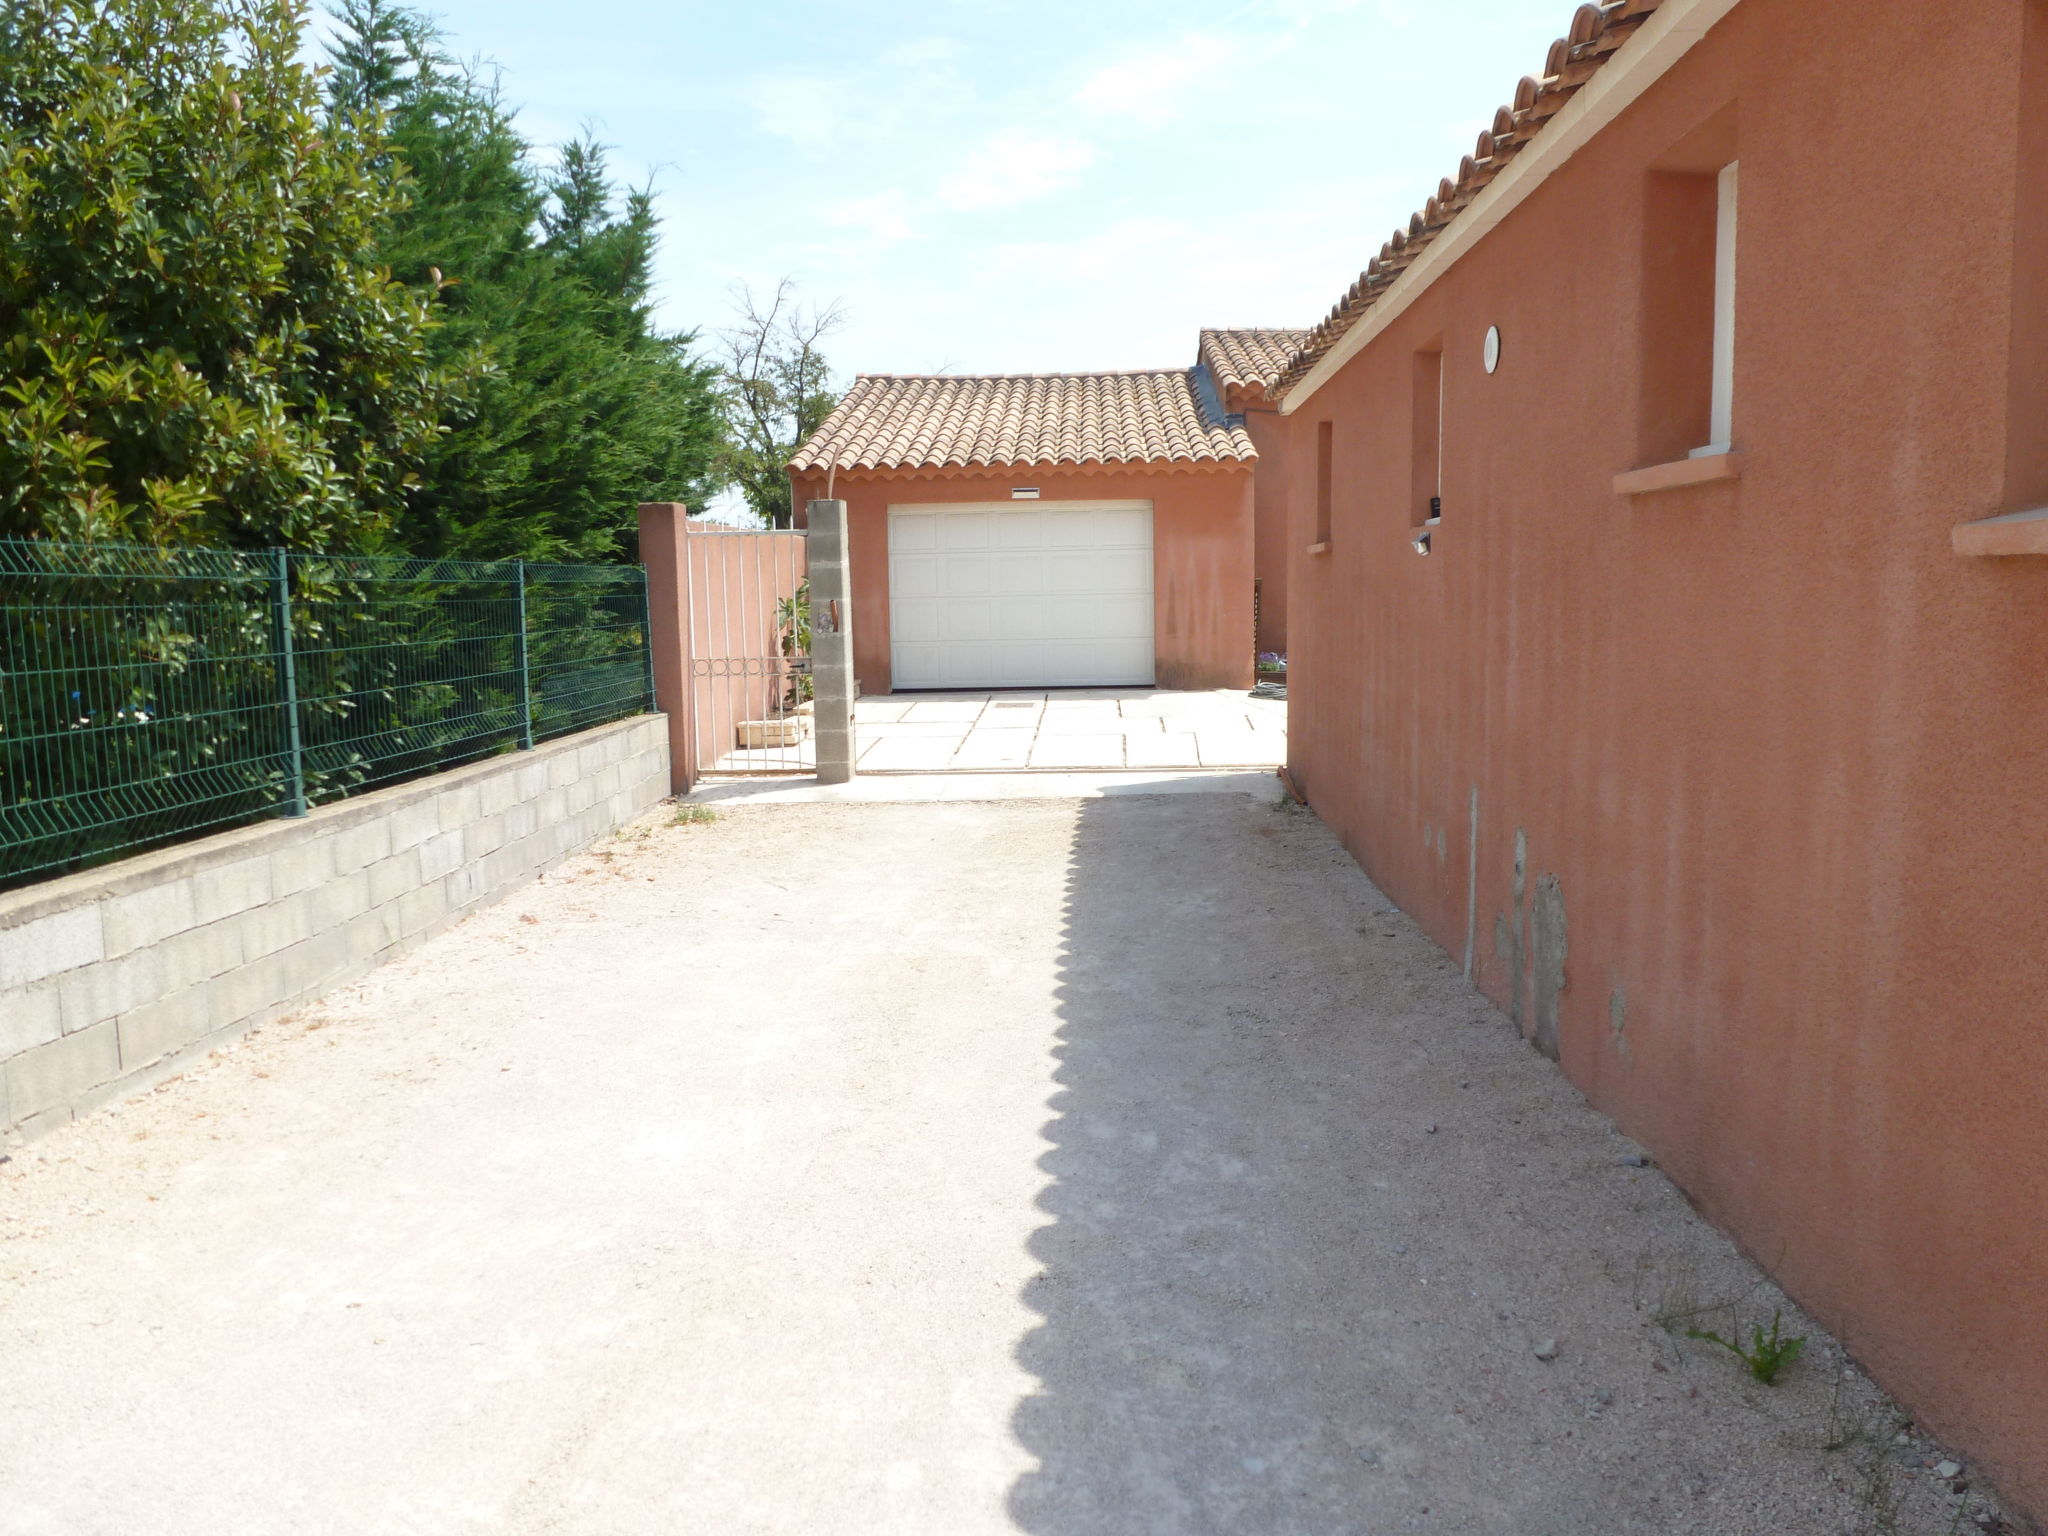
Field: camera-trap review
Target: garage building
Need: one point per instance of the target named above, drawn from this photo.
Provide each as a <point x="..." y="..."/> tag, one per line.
<point x="1042" y="530"/>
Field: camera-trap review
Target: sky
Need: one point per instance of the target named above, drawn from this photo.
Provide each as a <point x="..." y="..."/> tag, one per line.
<point x="1016" y="185"/>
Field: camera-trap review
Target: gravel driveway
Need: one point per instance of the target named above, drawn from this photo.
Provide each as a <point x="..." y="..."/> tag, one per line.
<point x="1073" y="1167"/>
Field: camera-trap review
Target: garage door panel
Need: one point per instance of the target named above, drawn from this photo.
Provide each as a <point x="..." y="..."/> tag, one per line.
<point x="966" y="662"/>
<point x="1071" y="617"/>
<point x="1021" y="574"/>
<point x="1021" y="596"/>
<point x="1127" y="570"/>
<point x="1116" y="570"/>
<point x="912" y="534"/>
<point x="968" y="619"/>
<point x="1129" y="656"/>
<point x="913" y="576"/>
<point x="1019" y="666"/>
<point x="1020" y="530"/>
<point x="967" y="574"/>
<point x="1131" y="530"/>
<point x="918" y="666"/>
<point x="1071" y="530"/>
<point x="915" y="620"/>
<point x="1124" y="619"/>
<point x="1023" y="618"/>
<point x="966" y="530"/>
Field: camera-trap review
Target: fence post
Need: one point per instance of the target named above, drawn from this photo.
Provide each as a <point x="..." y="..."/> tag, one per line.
<point x="647" y="650"/>
<point x="288" y="675"/>
<point x="831" y="640"/>
<point x="525" y="671"/>
<point x="665" y="552"/>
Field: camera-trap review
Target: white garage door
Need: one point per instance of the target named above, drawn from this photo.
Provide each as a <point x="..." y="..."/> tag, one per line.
<point x="1057" y="594"/>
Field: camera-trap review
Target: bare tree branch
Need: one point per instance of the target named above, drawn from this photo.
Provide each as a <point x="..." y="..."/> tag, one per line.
<point x="777" y="391"/>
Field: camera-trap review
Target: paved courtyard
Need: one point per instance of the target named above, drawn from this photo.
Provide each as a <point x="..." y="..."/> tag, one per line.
<point x="1064" y="728"/>
<point x="1117" y="1165"/>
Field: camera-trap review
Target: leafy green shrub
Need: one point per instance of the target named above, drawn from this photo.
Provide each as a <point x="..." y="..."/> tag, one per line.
<point x="196" y="345"/>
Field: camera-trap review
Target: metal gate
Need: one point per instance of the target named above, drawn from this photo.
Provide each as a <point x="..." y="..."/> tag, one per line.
<point x="750" y="652"/>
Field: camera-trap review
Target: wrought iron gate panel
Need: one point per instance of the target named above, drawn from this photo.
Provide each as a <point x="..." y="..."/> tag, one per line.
<point x="750" y="664"/>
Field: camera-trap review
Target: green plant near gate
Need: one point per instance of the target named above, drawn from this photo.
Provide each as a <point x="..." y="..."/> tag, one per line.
<point x="793" y="639"/>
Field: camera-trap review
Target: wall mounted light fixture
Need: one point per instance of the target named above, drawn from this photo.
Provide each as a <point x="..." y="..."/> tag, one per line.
<point x="1421" y="541"/>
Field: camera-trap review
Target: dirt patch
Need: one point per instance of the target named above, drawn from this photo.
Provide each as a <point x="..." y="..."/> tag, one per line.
<point x="1060" y="1167"/>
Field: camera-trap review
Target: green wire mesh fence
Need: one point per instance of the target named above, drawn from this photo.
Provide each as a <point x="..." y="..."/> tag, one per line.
<point x="151" y="695"/>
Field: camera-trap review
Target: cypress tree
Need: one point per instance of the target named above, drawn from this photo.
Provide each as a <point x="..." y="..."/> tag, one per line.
<point x="580" y="407"/>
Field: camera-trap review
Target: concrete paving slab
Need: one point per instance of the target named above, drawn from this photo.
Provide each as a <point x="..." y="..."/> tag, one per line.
<point x="1232" y="749"/>
<point x="994" y="749"/>
<point x="886" y="730"/>
<point x="1166" y="749"/>
<point x="878" y="711"/>
<point x="968" y="710"/>
<point x="1094" y="751"/>
<point x="1169" y="722"/>
<point x="1098" y="725"/>
<point x="1262" y="786"/>
<point x="1072" y="717"/>
<point x="916" y="753"/>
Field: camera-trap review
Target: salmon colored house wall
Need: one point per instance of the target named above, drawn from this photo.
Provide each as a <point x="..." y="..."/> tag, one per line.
<point x="1758" y="768"/>
<point x="1270" y="543"/>
<point x="1201" y="556"/>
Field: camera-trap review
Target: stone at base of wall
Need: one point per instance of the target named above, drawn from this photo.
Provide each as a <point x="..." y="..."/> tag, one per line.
<point x="115" y="978"/>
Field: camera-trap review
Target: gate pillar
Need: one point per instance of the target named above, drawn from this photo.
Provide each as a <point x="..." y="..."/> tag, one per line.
<point x="664" y="550"/>
<point x="831" y="641"/>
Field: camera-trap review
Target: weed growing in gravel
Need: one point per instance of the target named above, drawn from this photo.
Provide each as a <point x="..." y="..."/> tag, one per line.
<point x="1851" y="1423"/>
<point x="1880" y="1498"/>
<point x="694" y="815"/>
<point x="1767" y="1354"/>
<point x="1679" y="1303"/>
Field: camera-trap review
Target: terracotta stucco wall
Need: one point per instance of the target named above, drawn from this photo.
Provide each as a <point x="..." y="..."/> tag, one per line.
<point x="1269" y="541"/>
<point x="1201" y="558"/>
<point x="1774" y="758"/>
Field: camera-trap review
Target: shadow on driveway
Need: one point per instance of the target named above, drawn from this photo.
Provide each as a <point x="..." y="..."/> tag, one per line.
<point x="1314" y="1209"/>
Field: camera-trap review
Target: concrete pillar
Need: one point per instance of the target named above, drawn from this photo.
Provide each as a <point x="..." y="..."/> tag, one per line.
<point x="665" y="551"/>
<point x="831" y="641"/>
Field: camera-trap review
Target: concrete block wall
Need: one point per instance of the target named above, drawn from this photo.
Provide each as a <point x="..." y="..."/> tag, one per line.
<point x="111" y="976"/>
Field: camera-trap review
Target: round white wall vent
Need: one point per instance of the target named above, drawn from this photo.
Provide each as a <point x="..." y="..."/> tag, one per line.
<point x="1492" y="352"/>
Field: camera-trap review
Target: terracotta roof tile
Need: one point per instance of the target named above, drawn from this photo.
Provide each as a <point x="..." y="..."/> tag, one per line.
<point x="957" y="421"/>
<point x="1246" y="364"/>
<point x="1596" y="32"/>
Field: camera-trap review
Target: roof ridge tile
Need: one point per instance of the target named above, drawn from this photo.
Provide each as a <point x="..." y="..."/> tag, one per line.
<point x="1596" y="32"/>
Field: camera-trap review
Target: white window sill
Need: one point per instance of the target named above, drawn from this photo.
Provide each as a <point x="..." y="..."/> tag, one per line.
<point x="2016" y="533"/>
<point x="1699" y="470"/>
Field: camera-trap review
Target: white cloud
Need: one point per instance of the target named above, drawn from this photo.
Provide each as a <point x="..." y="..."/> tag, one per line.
<point x="1153" y="87"/>
<point x="1392" y="13"/>
<point x="803" y="109"/>
<point x="1136" y="251"/>
<point x="1015" y="168"/>
<point x="884" y="218"/>
<point x="920" y="52"/>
